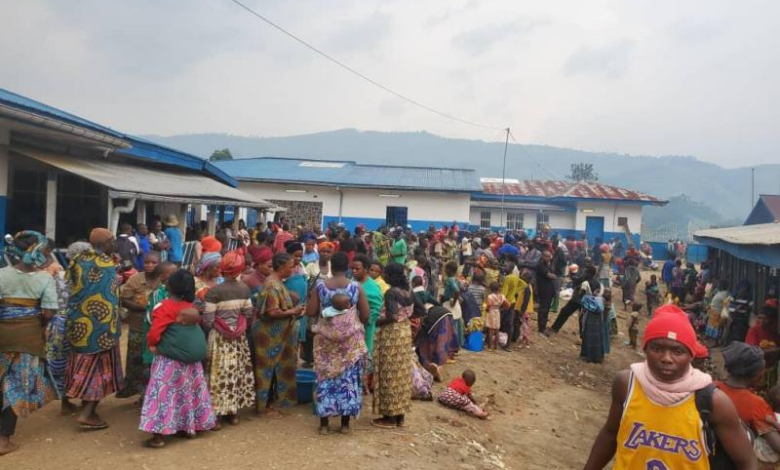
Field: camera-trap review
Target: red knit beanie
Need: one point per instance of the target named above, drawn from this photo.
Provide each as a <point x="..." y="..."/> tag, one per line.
<point x="670" y="322"/>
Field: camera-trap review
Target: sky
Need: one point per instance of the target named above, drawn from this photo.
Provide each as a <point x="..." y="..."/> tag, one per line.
<point x="660" y="77"/>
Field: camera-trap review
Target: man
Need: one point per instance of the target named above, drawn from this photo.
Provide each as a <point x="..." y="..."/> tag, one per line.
<point x="654" y="422"/>
<point x="95" y="365"/>
<point x="398" y="250"/>
<point x="532" y="257"/>
<point x="574" y="304"/>
<point x="175" y="239"/>
<point x="545" y="288"/>
<point x="509" y="289"/>
<point x="142" y="236"/>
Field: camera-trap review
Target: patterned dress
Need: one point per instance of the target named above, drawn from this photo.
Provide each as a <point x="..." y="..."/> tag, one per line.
<point x="275" y="346"/>
<point x="339" y="356"/>
<point x="95" y="366"/>
<point x="229" y="363"/>
<point x="136" y="289"/>
<point x="57" y="346"/>
<point x="25" y="383"/>
<point x="392" y="362"/>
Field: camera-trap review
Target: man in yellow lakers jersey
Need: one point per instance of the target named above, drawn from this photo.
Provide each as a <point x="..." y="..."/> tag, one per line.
<point x="653" y="423"/>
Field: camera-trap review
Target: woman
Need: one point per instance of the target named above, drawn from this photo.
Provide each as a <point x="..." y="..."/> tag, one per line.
<point x="274" y="338"/>
<point x="298" y="284"/>
<point x="207" y="276"/>
<point x="226" y="316"/>
<point x="392" y="362"/>
<point x="322" y="267"/>
<point x="740" y="309"/>
<point x="29" y="301"/>
<point x="261" y="259"/>
<point x="764" y="335"/>
<point x="57" y="346"/>
<point x="451" y="301"/>
<point x="163" y="272"/>
<point x="134" y="296"/>
<point x="437" y="340"/>
<point x="605" y="267"/>
<point x="242" y="235"/>
<point x="375" y="271"/>
<point x="95" y="365"/>
<point x="592" y="323"/>
<point x="339" y="346"/>
<point x="715" y="322"/>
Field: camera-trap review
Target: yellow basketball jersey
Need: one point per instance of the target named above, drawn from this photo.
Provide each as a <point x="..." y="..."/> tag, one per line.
<point x="656" y="437"/>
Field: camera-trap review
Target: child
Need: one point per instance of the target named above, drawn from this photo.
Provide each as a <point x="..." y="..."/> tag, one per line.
<point x="492" y="272"/>
<point x="477" y="288"/>
<point x="609" y="308"/>
<point x="423" y="295"/>
<point x="457" y="395"/>
<point x="653" y="294"/>
<point x="179" y="346"/>
<point x="633" y="324"/>
<point x="524" y="307"/>
<point x="495" y="302"/>
<point x="339" y="305"/>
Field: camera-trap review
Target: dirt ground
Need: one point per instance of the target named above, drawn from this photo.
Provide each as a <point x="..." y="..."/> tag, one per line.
<point x="547" y="407"/>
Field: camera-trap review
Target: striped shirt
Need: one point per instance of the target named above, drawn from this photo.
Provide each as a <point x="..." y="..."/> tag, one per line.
<point x="227" y="301"/>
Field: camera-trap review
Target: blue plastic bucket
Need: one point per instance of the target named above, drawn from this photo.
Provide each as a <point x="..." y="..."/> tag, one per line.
<point x="475" y="341"/>
<point x="305" y="385"/>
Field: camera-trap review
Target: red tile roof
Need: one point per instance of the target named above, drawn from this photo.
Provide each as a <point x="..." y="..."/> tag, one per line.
<point x="566" y="189"/>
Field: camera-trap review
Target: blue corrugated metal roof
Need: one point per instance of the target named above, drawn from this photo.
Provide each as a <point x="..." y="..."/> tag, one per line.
<point x="350" y="174"/>
<point x="18" y="101"/>
<point x="141" y="148"/>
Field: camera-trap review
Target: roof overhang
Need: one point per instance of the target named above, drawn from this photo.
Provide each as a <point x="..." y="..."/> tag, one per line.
<point x="509" y="205"/>
<point x="132" y="181"/>
<point x="756" y="243"/>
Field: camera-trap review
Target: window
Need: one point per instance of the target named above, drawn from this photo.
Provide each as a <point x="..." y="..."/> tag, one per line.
<point x="396" y="216"/>
<point x="622" y="221"/>
<point x="514" y="221"/>
<point x="484" y="219"/>
<point x="542" y="220"/>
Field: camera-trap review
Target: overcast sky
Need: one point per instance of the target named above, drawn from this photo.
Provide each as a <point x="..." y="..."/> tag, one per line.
<point x="694" y="77"/>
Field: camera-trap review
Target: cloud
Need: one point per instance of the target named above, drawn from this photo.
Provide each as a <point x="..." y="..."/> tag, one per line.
<point x="364" y="34"/>
<point x="611" y="60"/>
<point x="480" y="40"/>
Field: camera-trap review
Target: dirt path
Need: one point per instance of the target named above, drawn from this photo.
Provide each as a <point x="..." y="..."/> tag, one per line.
<point x="547" y="407"/>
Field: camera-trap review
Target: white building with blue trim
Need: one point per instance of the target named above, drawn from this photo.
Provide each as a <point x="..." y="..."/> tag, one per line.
<point x="601" y="211"/>
<point x="319" y="192"/>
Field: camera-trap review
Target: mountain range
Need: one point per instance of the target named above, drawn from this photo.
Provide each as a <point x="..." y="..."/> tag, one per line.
<point x="714" y="195"/>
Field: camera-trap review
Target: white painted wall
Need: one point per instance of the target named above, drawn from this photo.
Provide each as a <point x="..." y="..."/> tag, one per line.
<point x="610" y="211"/>
<point x="366" y="203"/>
<point x="558" y="219"/>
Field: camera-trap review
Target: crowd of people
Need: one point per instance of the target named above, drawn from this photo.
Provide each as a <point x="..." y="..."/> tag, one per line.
<point x="373" y="313"/>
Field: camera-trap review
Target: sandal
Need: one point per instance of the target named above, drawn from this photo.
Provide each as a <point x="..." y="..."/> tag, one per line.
<point x="93" y="426"/>
<point x="233" y="421"/>
<point x="384" y="423"/>
<point x="152" y="444"/>
<point x="433" y="368"/>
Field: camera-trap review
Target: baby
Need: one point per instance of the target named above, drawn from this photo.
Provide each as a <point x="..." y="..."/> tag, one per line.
<point x="458" y="395"/>
<point x="339" y="305"/>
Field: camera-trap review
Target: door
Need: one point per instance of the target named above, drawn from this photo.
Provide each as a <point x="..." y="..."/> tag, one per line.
<point x="594" y="229"/>
<point x="396" y="216"/>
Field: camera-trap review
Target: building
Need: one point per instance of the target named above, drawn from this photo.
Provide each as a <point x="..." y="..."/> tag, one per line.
<point x="320" y="192"/>
<point x="745" y="253"/>
<point x="568" y="208"/>
<point x="63" y="175"/>
<point x="766" y="210"/>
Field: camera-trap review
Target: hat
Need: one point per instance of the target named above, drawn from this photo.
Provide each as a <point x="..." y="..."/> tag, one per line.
<point x="743" y="360"/>
<point x="171" y="221"/>
<point x="260" y="254"/>
<point x="100" y="235"/>
<point x="211" y="244"/>
<point x="669" y="322"/>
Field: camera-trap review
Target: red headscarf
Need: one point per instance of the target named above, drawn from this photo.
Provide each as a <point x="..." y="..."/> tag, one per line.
<point x="232" y="264"/>
<point x="211" y="245"/>
<point x="260" y="254"/>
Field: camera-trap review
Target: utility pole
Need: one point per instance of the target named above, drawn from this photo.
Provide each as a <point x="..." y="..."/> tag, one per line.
<point x="503" y="179"/>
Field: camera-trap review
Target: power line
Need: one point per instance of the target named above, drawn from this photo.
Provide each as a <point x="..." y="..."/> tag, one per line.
<point x="522" y="149"/>
<point x="361" y="75"/>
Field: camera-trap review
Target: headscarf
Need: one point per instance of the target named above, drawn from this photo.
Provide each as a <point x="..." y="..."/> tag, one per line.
<point x="232" y="264"/>
<point x="326" y="245"/>
<point x="77" y="248"/>
<point x="260" y="254"/>
<point x="100" y="235"/>
<point x="211" y="244"/>
<point x="208" y="261"/>
<point x="33" y="256"/>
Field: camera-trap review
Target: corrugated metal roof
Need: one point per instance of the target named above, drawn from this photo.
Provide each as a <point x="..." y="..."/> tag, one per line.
<point x="772" y="202"/>
<point x="18" y="101"/>
<point x="564" y="190"/>
<point x="134" y="180"/>
<point x="761" y="234"/>
<point x="141" y="148"/>
<point x="350" y="174"/>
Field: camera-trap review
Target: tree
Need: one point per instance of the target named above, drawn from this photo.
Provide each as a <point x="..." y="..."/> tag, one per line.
<point x="582" y="172"/>
<point x="221" y="155"/>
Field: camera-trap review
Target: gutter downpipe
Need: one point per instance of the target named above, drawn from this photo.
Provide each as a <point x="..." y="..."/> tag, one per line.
<point x="341" y="201"/>
<point x="114" y="223"/>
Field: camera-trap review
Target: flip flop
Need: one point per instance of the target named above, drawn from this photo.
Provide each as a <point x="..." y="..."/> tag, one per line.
<point x="93" y="426"/>
<point x="150" y="444"/>
<point x="381" y="423"/>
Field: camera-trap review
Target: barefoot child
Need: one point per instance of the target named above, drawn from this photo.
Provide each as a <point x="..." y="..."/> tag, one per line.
<point x="177" y="398"/>
<point x="458" y="395"/>
<point x="633" y="324"/>
<point x="653" y="294"/>
<point x="495" y="303"/>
